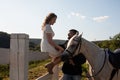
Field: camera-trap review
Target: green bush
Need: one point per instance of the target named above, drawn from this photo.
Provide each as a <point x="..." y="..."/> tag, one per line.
<point x="4" y="71"/>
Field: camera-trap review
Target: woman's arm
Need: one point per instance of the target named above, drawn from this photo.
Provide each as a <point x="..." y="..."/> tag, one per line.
<point x="51" y="42"/>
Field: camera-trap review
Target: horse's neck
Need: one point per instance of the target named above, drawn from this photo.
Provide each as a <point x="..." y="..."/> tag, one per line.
<point x="93" y="53"/>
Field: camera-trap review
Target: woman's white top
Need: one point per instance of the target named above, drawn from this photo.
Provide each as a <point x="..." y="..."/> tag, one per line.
<point x="45" y="46"/>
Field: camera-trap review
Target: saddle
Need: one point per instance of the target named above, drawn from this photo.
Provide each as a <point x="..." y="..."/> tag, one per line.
<point x="114" y="58"/>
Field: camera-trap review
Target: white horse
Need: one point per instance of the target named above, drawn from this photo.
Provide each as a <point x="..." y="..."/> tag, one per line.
<point x="97" y="57"/>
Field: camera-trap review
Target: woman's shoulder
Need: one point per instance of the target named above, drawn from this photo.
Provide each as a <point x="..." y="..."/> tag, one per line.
<point x="48" y="29"/>
<point x="47" y="26"/>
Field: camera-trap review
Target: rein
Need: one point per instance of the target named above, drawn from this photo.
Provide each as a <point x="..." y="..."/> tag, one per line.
<point x="100" y="68"/>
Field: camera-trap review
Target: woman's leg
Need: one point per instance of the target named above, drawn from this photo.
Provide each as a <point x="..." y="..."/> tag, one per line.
<point x="50" y="65"/>
<point x="55" y="75"/>
<point x="56" y="61"/>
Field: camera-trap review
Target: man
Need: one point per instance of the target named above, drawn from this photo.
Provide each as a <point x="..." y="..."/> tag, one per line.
<point x="72" y="66"/>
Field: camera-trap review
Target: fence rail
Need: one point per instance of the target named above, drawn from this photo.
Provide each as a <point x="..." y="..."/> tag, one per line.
<point x="4" y="56"/>
<point x="32" y="56"/>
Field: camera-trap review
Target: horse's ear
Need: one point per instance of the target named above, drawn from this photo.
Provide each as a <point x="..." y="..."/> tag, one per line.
<point x="80" y="35"/>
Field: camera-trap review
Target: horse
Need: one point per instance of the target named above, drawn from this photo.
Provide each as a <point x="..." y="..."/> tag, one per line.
<point x="97" y="57"/>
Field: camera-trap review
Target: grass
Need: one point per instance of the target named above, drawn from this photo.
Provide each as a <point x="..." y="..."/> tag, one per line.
<point x="4" y="72"/>
<point x="36" y="69"/>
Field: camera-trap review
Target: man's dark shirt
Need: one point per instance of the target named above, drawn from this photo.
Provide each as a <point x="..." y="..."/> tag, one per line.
<point x="74" y="69"/>
<point x="70" y="68"/>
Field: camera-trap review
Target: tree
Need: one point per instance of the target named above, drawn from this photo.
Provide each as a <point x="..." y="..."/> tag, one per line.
<point x="116" y="37"/>
<point x="4" y="40"/>
<point x="115" y="41"/>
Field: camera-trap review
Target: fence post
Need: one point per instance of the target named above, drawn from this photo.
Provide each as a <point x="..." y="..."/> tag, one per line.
<point x="19" y="57"/>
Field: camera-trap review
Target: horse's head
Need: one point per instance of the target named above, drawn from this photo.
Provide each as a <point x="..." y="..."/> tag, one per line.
<point x="73" y="45"/>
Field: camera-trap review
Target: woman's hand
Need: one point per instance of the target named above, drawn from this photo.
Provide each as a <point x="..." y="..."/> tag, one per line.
<point x="59" y="48"/>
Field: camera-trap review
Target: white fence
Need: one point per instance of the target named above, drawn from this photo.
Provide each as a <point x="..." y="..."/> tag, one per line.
<point x="19" y="55"/>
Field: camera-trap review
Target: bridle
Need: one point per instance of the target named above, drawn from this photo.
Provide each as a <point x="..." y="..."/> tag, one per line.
<point x="79" y="43"/>
<point x="78" y="46"/>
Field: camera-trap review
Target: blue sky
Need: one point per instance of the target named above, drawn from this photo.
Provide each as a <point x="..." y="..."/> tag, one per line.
<point x="97" y="19"/>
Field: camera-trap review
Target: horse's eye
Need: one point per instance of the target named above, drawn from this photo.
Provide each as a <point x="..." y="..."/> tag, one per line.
<point x="75" y="43"/>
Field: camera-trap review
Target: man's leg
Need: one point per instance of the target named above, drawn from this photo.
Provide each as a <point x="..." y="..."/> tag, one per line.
<point x="67" y="77"/>
<point x="76" y="77"/>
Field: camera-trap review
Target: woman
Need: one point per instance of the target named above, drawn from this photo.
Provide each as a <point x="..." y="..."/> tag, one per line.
<point x="47" y="43"/>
